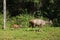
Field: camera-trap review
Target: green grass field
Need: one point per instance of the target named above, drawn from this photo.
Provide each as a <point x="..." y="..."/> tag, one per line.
<point x="25" y="33"/>
<point x="45" y="33"/>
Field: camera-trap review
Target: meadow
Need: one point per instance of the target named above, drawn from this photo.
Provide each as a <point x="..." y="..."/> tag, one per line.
<point x="26" y="33"/>
<point x="20" y="12"/>
<point x="45" y="33"/>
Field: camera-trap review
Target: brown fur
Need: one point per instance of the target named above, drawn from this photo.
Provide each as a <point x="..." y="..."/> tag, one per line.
<point x="15" y="26"/>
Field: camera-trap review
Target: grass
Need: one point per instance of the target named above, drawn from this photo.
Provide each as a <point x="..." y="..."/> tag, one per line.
<point x="45" y="33"/>
<point x="25" y="33"/>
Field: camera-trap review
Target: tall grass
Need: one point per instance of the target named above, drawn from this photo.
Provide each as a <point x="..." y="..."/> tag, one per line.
<point x="22" y="19"/>
<point x="1" y="20"/>
<point x="44" y="33"/>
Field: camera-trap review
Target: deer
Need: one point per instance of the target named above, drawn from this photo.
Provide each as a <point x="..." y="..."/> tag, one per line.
<point x="38" y="22"/>
<point x="15" y="26"/>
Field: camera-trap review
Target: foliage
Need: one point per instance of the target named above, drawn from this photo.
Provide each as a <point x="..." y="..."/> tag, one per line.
<point x="50" y="10"/>
<point x="38" y="8"/>
<point x="1" y="5"/>
<point x="1" y="20"/>
<point x="22" y="19"/>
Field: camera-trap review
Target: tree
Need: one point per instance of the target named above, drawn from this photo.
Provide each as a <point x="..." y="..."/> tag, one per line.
<point x="17" y="7"/>
<point x="51" y="10"/>
<point x="1" y="5"/>
<point x="4" y="11"/>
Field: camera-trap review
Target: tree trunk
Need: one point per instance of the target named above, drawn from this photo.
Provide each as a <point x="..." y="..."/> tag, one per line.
<point x="4" y="12"/>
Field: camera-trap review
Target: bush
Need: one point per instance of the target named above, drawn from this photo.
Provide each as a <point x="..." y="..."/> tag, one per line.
<point x="22" y="19"/>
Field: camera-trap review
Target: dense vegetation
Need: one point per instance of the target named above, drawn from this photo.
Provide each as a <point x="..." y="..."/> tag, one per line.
<point x="21" y="11"/>
<point x="49" y="9"/>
